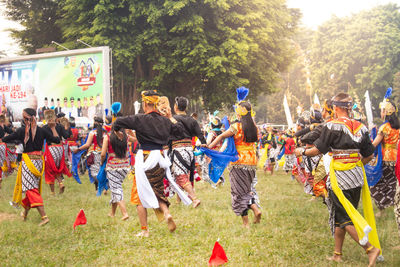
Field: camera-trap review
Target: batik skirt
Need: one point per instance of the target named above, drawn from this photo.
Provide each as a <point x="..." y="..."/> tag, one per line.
<point x="29" y="180"/>
<point x="241" y="178"/>
<point x="397" y="206"/>
<point x="56" y="152"/>
<point x="156" y="180"/>
<point x="95" y="167"/>
<point x="182" y="165"/>
<point x="384" y="191"/>
<point x="115" y="179"/>
<point x="289" y="162"/>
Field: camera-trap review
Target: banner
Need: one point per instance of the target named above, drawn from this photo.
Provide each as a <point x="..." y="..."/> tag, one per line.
<point x="71" y="84"/>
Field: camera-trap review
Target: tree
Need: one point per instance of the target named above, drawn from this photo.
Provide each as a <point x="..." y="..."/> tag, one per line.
<point x="204" y="49"/>
<point x="357" y="53"/>
<point x="38" y="17"/>
<point x="199" y="48"/>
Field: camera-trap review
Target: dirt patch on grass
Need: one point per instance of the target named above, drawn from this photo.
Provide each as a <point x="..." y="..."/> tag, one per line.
<point x="7" y="217"/>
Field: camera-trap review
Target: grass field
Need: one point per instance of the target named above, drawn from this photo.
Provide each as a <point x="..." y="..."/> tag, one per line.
<point x="293" y="231"/>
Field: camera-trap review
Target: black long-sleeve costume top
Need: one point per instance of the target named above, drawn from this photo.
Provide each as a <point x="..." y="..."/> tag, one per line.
<point x="153" y="131"/>
<point x="5" y="129"/>
<point x="31" y="145"/>
<point x="62" y="133"/>
<point x="191" y="128"/>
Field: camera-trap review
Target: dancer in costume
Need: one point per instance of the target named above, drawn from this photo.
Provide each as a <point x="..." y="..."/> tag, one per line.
<point x="72" y="140"/>
<point x="115" y="151"/>
<point x="3" y="147"/>
<point x="290" y="158"/>
<point x="54" y="154"/>
<point x="384" y="191"/>
<point x="94" y="143"/>
<point x="269" y="141"/>
<point x="31" y="168"/>
<point x="351" y="148"/>
<point x="153" y="131"/>
<point x="213" y="133"/>
<point x="182" y="156"/>
<point x="242" y="172"/>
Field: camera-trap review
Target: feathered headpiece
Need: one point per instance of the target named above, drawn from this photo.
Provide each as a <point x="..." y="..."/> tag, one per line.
<point x="115" y="108"/>
<point x="242" y="93"/>
<point x="386" y="104"/>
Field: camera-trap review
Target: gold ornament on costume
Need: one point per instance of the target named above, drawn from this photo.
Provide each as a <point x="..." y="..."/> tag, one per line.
<point x="242" y="111"/>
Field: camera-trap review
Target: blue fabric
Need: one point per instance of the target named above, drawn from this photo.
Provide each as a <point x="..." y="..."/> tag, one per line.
<point x="374" y="173"/>
<point x="75" y="161"/>
<point x="220" y="160"/>
<point x="281" y="153"/>
<point x="102" y="178"/>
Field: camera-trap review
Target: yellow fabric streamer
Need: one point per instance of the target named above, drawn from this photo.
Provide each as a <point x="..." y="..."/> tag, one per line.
<point x="365" y="227"/>
<point x="17" y="195"/>
<point x="263" y="158"/>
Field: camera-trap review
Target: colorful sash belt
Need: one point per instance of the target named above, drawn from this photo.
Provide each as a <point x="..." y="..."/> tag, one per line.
<point x="365" y="227"/>
<point x="26" y="157"/>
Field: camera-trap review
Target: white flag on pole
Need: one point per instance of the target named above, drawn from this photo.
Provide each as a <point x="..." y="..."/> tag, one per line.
<point x="287" y="112"/>
<point x="368" y="110"/>
<point x="316" y="99"/>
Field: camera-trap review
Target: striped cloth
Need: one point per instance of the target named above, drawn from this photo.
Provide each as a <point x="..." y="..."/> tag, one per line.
<point x="241" y="178"/>
<point x="115" y="179"/>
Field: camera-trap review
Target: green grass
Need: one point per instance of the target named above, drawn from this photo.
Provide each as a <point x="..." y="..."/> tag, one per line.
<point x="293" y="232"/>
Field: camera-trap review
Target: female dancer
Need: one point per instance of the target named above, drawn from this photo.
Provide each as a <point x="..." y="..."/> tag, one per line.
<point x="118" y="166"/>
<point x="94" y="143"/>
<point x="243" y="171"/>
<point x="384" y="191"/>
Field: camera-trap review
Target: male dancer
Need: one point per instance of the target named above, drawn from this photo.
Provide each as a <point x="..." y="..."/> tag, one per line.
<point x="31" y="168"/>
<point x="182" y="156"/>
<point x="55" y="165"/>
<point x="153" y="131"/>
<point x="351" y="148"/>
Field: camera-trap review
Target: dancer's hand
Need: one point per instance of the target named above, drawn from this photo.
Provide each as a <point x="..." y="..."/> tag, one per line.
<point x="52" y="124"/>
<point x="299" y="151"/>
<point x="119" y="134"/>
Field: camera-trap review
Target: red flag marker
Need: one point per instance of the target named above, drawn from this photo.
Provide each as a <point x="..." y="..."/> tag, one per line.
<point x="80" y="219"/>
<point x="218" y="256"/>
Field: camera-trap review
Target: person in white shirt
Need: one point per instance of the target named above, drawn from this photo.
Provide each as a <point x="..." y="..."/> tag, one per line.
<point x="73" y="111"/>
<point x="91" y="109"/>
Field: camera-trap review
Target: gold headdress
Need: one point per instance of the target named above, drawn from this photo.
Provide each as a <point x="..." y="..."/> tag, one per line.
<point x="388" y="107"/>
<point x="150" y="97"/>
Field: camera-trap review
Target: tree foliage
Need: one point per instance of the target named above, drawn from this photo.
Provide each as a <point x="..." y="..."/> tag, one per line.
<point x="357" y="53"/>
<point x="39" y="18"/>
<point x="204" y="49"/>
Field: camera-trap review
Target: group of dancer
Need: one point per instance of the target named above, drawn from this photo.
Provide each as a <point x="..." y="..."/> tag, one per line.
<point x="338" y="160"/>
<point x="160" y="151"/>
<point x="155" y="148"/>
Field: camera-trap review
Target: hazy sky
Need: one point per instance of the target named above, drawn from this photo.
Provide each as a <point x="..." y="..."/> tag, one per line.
<point x="314" y="12"/>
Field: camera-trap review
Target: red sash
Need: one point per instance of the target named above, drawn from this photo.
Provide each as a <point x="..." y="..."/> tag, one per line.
<point x="51" y="169"/>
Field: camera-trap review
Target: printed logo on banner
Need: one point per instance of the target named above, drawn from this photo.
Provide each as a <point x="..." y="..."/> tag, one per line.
<point x="86" y="71"/>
